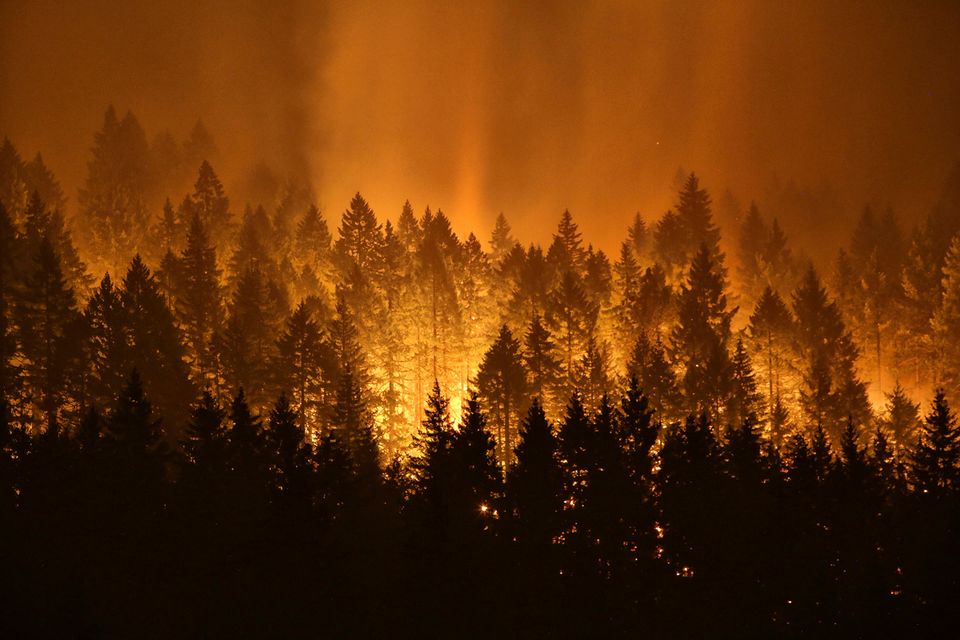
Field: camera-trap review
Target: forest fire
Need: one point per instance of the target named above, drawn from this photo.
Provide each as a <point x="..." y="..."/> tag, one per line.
<point x="573" y="319"/>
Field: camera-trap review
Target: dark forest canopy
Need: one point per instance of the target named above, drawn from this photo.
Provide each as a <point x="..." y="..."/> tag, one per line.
<point x="279" y="419"/>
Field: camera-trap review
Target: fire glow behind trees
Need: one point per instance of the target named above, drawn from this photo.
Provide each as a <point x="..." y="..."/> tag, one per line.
<point x="240" y="397"/>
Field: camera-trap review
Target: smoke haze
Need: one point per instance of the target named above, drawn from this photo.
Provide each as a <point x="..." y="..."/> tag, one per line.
<point x="526" y="108"/>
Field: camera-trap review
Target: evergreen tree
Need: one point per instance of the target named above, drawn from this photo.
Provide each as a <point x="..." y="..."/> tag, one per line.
<point x="770" y="332"/>
<point x="134" y="433"/>
<point x="209" y="203"/>
<point x="541" y="365"/>
<point x="567" y="253"/>
<point x="206" y="434"/>
<point x="361" y="238"/>
<point x="501" y="240"/>
<point x="696" y="220"/>
<point x="198" y="304"/>
<point x="246" y="345"/>
<point x="155" y="346"/>
<point x="535" y="481"/>
<point x="113" y="198"/>
<point x="699" y="340"/>
<point x="902" y="419"/>
<point x="48" y="327"/>
<point x="501" y="382"/>
<point x="571" y="319"/>
<point x="936" y="459"/>
<point x="302" y="359"/>
<point x="649" y="365"/>
<point x="946" y="322"/>
<point x="745" y="401"/>
<point x="109" y="343"/>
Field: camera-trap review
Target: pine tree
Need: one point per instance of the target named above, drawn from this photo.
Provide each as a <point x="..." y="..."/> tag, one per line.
<point x="198" y="304"/>
<point x="431" y="465"/>
<point x="113" y="198"/>
<point x="566" y="253"/>
<point x="43" y="224"/>
<point x="535" y="482"/>
<point x="638" y="238"/>
<point x="361" y="238"/>
<point x="246" y="345"/>
<point x="649" y="365"/>
<point x="750" y="250"/>
<point x="156" y="347"/>
<point x="210" y="204"/>
<point x="472" y="449"/>
<point x="14" y="191"/>
<point x="830" y="390"/>
<point x="501" y="240"/>
<point x="744" y="402"/>
<point x="11" y="387"/>
<point x="301" y="360"/>
<point x="47" y="326"/>
<point x="902" y="419"/>
<point x="501" y="382"/>
<point x="571" y="319"/>
<point x="592" y="374"/>
<point x="936" y="459"/>
<point x="699" y="340"/>
<point x="109" y="342"/>
<point x="696" y="220"/>
<point x="133" y="432"/>
<point x="769" y="333"/>
<point x="313" y="243"/>
<point x="946" y="322"/>
<point x="206" y="435"/>
<point x="541" y="365"/>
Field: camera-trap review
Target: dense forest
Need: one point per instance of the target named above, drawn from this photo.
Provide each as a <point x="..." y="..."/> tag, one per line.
<point x="222" y="424"/>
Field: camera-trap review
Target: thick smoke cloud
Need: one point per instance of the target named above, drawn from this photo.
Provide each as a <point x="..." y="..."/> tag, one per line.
<point x="522" y="107"/>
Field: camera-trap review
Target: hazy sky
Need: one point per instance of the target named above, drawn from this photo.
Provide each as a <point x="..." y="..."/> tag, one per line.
<point x="522" y="107"/>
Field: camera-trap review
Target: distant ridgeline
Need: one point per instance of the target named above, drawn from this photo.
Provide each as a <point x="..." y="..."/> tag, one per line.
<point x="257" y="426"/>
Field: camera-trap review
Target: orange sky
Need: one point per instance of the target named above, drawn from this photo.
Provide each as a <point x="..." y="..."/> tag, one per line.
<point x="520" y="107"/>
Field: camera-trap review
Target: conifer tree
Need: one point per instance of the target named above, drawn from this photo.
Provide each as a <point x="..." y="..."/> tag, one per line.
<point x="473" y="452"/>
<point x="155" y="346"/>
<point x="113" y="198"/>
<point x="501" y="382"/>
<point x="571" y="319"/>
<point x="47" y="326"/>
<point x="133" y="432"/>
<point x="246" y="345"/>
<point x="535" y="486"/>
<point x="431" y="465"/>
<point x="541" y="365"/>
<point x="198" y="303"/>
<point x="699" y="340"/>
<point x="946" y="322"/>
<point x="902" y="419"/>
<point x="360" y="238"/>
<point x="108" y="342"/>
<point x="830" y="390"/>
<point x="501" y="240"/>
<point x="745" y="401"/>
<point x="769" y="333"/>
<point x="567" y="253"/>
<point x="649" y="365"/>
<point x="936" y="459"/>
<point x="14" y="191"/>
<point x="10" y="368"/>
<point x="210" y="204"/>
<point x="206" y="435"/>
<point x="696" y="220"/>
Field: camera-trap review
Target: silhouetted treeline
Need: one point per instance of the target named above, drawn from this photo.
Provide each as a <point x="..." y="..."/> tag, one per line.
<point x="607" y="523"/>
<point x="232" y="431"/>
